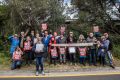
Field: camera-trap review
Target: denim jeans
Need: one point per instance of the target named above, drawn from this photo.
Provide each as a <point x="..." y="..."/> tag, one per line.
<point x="28" y="57"/>
<point x="16" y="64"/>
<point x="92" y="57"/>
<point x="72" y="57"/>
<point x="39" y="62"/>
<point x="109" y="55"/>
<point x="62" y="58"/>
<point x="46" y="51"/>
<point x="82" y="60"/>
<point x="102" y="60"/>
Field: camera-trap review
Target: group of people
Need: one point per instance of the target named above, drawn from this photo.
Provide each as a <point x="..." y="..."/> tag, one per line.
<point x="38" y="47"/>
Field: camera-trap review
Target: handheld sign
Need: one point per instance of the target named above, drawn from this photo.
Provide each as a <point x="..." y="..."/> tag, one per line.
<point x="82" y="51"/>
<point x="72" y="50"/>
<point x="62" y="50"/>
<point x="44" y="26"/>
<point x="96" y="29"/>
<point x="54" y="52"/>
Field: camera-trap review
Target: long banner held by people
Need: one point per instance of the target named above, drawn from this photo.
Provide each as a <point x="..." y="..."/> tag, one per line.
<point x="74" y="44"/>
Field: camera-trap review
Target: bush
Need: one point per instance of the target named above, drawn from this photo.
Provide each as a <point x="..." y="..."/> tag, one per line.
<point x="116" y="51"/>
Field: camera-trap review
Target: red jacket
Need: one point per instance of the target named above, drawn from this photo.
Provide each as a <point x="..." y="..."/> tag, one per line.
<point x="51" y="42"/>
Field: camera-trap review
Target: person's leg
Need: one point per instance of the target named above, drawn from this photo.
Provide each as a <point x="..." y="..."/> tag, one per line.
<point x="103" y="60"/>
<point x="13" y="65"/>
<point x="46" y="52"/>
<point x="70" y="57"/>
<point x="29" y="58"/>
<point x="26" y="57"/>
<point x="54" y="61"/>
<point x="41" y="63"/>
<point x="84" y="61"/>
<point x="37" y="64"/>
<point x="100" y="59"/>
<point x="74" y="58"/>
<point x="64" y="58"/>
<point x="110" y="57"/>
<point x="90" y="57"/>
<point x="18" y="64"/>
<point x="94" y="56"/>
<point x="60" y="58"/>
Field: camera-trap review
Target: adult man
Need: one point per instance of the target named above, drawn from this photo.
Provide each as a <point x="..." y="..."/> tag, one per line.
<point x="109" y="48"/>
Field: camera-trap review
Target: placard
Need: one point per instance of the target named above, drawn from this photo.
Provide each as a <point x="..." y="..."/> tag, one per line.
<point x="44" y="26"/>
<point x="62" y="29"/>
<point x="96" y="29"/>
<point x="82" y="51"/>
<point x="54" y="52"/>
<point x="72" y="50"/>
<point x="62" y="50"/>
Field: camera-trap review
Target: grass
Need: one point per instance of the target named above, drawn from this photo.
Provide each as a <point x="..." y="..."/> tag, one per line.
<point x="116" y="51"/>
<point x="5" y="63"/>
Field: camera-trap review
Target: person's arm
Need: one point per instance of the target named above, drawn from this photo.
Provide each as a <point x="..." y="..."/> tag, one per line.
<point x="13" y="56"/>
<point x="33" y="48"/>
<point x="107" y="44"/>
<point x="27" y="32"/>
<point x="10" y="38"/>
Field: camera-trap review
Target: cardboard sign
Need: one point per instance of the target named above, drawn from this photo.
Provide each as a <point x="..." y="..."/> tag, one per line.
<point x="62" y="50"/>
<point x="82" y="51"/>
<point x="54" y="52"/>
<point x="27" y="46"/>
<point x="62" y="30"/>
<point x="96" y="29"/>
<point x="72" y="50"/>
<point x="44" y="26"/>
<point x="74" y="44"/>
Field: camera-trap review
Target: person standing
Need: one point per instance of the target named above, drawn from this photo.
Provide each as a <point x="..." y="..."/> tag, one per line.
<point x="62" y="49"/>
<point x="109" y="46"/>
<point x="46" y="40"/>
<point x="102" y="50"/>
<point x="38" y="49"/>
<point x="53" y="51"/>
<point x="14" y="43"/>
<point x="71" y="50"/>
<point x="27" y="50"/>
<point x="82" y="50"/>
<point x="92" y="49"/>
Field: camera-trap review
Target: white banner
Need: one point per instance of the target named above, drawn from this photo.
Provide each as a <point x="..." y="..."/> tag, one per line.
<point x="74" y="44"/>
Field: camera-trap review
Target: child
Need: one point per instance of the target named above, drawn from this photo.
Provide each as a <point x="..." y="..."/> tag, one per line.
<point x="27" y="50"/>
<point x="82" y="50"/>
<point x="53" y="51"/>
<point x="62" y="50"/>
<point x="101" y="50"/>
<point x="16" y="63"/>
<point x="38" y="48"/>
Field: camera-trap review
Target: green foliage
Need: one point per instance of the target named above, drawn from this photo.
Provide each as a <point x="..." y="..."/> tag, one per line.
<point x="4" y="58"/>
<point x="116" y="51"/>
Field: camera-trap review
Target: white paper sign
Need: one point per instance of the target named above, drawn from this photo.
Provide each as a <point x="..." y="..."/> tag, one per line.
<point x="72" y="50"/>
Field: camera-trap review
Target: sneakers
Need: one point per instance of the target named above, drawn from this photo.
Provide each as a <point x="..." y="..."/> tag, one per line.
<point x="37" y="73"/>
<point x="112" y="66"/>
<point x="43" y="73"/>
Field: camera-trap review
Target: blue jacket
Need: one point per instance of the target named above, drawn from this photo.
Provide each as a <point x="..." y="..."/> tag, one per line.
<point x="14" y="44"/>
<point x="103" y="47"/>
<point x="46" y="40"/>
